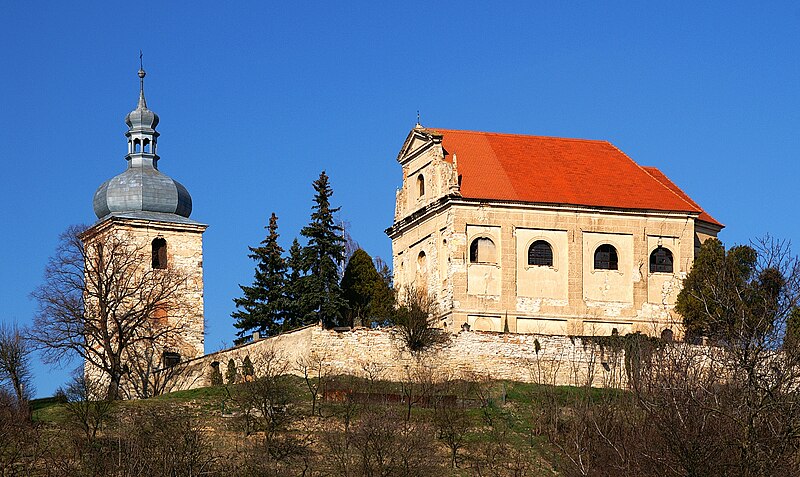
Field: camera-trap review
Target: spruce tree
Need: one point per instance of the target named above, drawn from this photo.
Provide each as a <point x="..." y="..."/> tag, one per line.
<point x="295" y="308"/>
<point x="263" y="305"/>
<point x="383" y="298"/>
<point x="321" y="297"/>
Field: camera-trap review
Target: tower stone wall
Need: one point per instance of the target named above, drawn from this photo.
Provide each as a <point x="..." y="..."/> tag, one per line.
<point x="185" y="256"/>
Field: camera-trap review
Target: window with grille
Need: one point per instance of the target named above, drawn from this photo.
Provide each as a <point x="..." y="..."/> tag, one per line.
<point x="661" y="261"/>
<point x="605" y="258"/>
<point x="482" y="250"/>
<point x="170" y="359"/>
<point x="540" y="253"/>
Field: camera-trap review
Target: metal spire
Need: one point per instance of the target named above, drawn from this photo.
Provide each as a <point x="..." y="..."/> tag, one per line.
<point x="142" y="74"/>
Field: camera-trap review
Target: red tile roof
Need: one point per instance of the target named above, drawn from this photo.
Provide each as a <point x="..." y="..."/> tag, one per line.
<point x="559" y="171"/>
<point x="660" y="177"/>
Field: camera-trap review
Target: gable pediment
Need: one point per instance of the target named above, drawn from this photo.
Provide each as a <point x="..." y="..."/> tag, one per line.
<point x="418" y="141"/>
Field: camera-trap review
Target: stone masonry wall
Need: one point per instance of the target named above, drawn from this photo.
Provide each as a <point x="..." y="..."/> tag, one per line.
<point x="555" y="360"/>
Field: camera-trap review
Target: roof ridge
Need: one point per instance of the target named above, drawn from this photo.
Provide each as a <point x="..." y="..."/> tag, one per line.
<point x="603" y="141"/>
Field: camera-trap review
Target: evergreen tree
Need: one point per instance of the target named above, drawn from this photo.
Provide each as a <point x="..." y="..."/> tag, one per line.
<point x="230" y="374"/>
<point x="248" y="371"/>
<point x="295" y="308"/>
<point x="731" y="295"/>
<point x="216" y="376"/>
<point x="321" y="297"/>
<point x="365" y="290"/>
<point x="263" y="305"/>
<point x="383" y="304"/>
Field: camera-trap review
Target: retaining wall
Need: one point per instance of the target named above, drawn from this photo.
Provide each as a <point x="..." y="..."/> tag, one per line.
<point x="379" y="353"/>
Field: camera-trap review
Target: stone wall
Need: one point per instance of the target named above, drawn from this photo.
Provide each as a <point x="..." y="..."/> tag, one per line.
<point x="555" y="360"/>
<point x="175" y="316"/>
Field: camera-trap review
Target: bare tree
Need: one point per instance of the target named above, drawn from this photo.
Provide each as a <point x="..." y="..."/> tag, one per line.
<point x="350" y="245"/>
<point x="160" y="440"/>
<point x="18" y="436"/>
<point x="148" y="372"/>
<point x="268" y="406"/>
<point x="83" y="412"/>
<point x="729" y="408"/>
<point x="385" y="444"/>
<point x="264" y="401"/>
<point x="451" y="417"/>
<point x="15" y="368"/>
<point x="418" y="384"/>
<point x="101" y="301"/>
<point x="417" y="322"/>
<point x="315" y="371"/>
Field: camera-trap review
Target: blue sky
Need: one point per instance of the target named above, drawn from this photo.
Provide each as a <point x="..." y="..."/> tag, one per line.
<point x="257" y="98"/>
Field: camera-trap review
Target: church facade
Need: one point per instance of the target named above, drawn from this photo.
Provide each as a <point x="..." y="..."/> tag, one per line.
<point x="532" y="234"/>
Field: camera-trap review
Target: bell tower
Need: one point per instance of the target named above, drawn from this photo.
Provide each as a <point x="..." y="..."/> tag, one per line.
<point x="151" y="211"/>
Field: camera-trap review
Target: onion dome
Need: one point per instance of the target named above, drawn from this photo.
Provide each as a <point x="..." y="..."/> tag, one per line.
<point x="142" y="190"/>
<point x="141" y="117"/>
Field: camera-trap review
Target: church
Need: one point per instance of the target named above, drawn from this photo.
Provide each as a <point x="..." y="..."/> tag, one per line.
<point x="532" y="234"/>
<point x="509" y="233"/>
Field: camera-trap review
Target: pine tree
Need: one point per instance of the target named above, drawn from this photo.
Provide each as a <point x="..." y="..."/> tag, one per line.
<point x="263" y="305"/>
<point x="321" y="297"/>
<point x="367" y="294"/>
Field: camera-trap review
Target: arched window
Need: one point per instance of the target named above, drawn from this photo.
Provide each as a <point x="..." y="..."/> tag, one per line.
<point x="605" y="258"/>
<point x="421" y="280"/>
<point x="159" y="253"/>
<point x="421" y="185"/>
<point x="540" y="253"/>
<point x="667" y="335"/>
<point x="137" y="146"/>
<point x="422" y="262"/>
<point x="482" y="250"/>
<point x="661" y="260"/>
<point x="146" y="144"/>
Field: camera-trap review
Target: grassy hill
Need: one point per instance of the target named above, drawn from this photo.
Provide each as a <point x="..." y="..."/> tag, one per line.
<point x="273" y="426"/>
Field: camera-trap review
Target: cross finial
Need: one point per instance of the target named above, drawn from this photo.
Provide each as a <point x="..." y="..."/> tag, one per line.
<point x="142" y="74"/>
<point x="141" y="70"/>
<point x="418" y="123"/>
